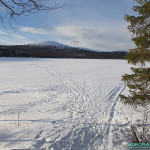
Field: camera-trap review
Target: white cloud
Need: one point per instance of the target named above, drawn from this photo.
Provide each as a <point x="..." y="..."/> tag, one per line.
<point x="9" y="38"/>
<point x="13" y="35"/>
<point x="84" y="32"/>
<point x="34" y="30"/>
<point x="18" y="36"/>
<point x="106" y="38"/>
<point x="1" y="32"/>
<point x="101" y="38"/>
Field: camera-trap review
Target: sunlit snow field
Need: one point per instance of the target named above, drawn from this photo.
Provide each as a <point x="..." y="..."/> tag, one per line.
<point x="63" y="104"/>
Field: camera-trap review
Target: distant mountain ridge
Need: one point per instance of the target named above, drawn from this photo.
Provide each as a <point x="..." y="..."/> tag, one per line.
<point x="48" y="43"/>
<point x="52" y="49"/>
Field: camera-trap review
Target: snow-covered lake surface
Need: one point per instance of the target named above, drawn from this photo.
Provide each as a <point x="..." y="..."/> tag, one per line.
<point x="63" y="104"/>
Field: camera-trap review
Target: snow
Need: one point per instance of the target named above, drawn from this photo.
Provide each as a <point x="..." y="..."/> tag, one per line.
<point x="63" y="104"/>
<point x="49" y="43"/>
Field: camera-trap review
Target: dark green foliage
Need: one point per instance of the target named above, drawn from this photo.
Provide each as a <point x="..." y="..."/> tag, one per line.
<point x="139" y="81"/>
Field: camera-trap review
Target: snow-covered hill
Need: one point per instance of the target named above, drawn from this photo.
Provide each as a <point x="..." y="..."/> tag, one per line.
<point x="59" y="45"/>
<point x="49" y="43"/>
<point x="52" y="49"/>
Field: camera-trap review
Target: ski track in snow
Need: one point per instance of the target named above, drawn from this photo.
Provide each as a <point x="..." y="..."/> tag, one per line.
<point x="108" y="137"/>
<point x="85" y="136"/>
<point x="86" y="126"/>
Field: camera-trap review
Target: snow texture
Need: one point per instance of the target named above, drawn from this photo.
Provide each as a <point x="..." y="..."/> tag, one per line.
<point x="63" y="104"/>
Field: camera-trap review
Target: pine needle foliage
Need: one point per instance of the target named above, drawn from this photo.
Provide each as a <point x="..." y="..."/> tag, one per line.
<point x="139" y="81"/>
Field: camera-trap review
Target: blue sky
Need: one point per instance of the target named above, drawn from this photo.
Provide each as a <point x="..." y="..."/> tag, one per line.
<point x="94" y="24"/>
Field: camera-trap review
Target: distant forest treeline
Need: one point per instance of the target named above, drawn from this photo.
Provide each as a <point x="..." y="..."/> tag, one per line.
<point x="56" y="52"/>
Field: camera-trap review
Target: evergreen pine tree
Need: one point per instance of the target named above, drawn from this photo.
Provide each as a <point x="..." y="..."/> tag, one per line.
<point x="139" y="81"/>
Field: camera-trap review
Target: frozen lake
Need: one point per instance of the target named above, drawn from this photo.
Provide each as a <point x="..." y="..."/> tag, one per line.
<point x="62" y="104"/>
